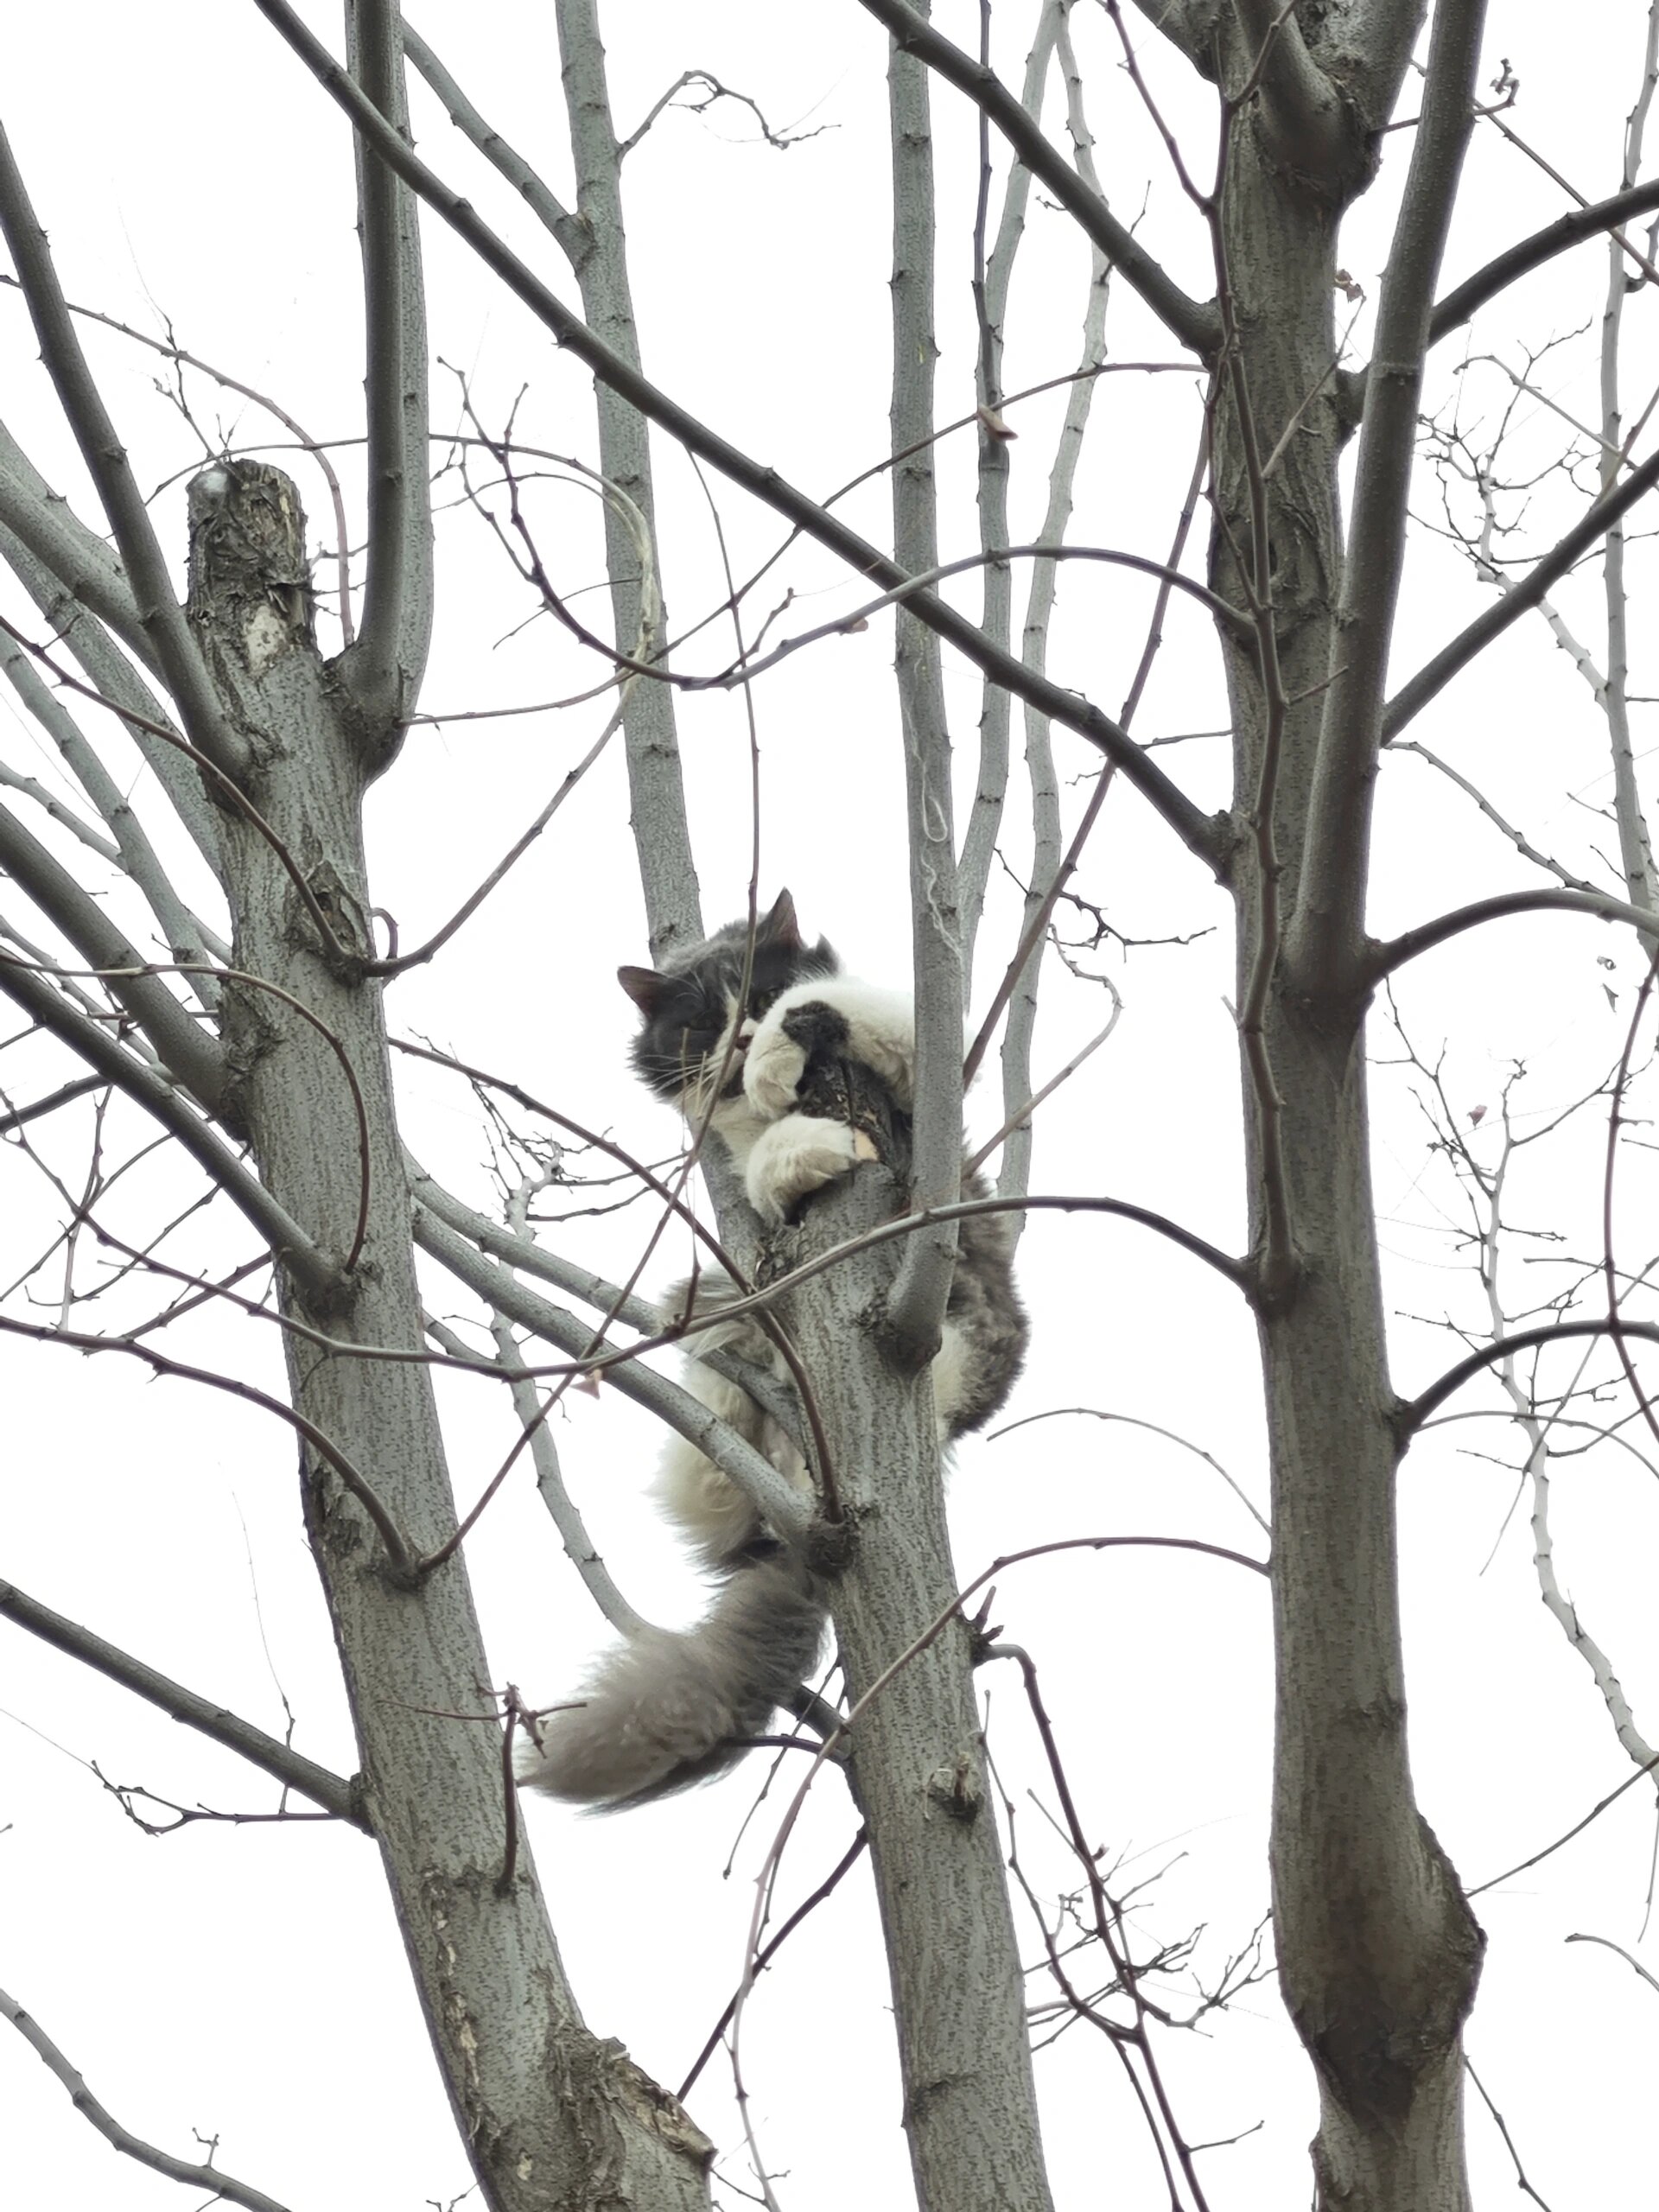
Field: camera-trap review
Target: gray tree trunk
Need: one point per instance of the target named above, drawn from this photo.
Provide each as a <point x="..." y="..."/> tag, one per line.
<point x="1378" y="1952"/>
<point x="917" y="1759"/>
<point x="554" y="2116"/>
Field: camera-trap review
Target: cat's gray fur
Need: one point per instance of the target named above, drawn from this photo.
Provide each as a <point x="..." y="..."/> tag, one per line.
<point x="669" y="1709"/>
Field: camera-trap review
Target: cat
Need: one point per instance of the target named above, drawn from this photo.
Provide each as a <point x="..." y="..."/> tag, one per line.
<point x="668" y="1709"/>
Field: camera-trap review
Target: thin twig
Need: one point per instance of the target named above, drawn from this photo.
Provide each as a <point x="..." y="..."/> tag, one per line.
<point x="1520" y="2181"/>
<point x="1577" y="1828"/>
<point x="398" y="1553"/>
<point x="223" y="2186"/>
<point x="290" y="1767"/>
<point x="1198" y="831"/>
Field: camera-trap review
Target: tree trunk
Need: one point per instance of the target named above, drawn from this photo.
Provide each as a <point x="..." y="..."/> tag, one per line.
<point x="1378" y="1953"/>
<point x="553" y="2117"/>
<point x="917" y="1759"/>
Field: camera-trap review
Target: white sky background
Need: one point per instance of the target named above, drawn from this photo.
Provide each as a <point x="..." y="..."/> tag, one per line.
<point x="247" y="1982"/>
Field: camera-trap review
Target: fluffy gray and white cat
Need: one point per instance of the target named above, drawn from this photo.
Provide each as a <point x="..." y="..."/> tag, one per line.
<point x="668" y="1709"/>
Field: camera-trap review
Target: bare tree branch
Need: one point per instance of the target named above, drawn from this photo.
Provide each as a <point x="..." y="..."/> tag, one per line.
<point x="317" y="1274"/>
<point x="667" y="868"/>
<point x="1433" y="676"/>
<point x="1310" y="126"/>
<point x="280" y="1760"/>
<point x="184" y="358"/>
<point x="1368" y="53"/>
<point x="550" y="213"/>
<point x="1049" y="549"/>
<point x="79" y="560"/>
<point x="992" y="280"/>
<point x="1206" y="837"/>
<point x="160" y="615"/>
<point x="62" y="1096"/>
<point x="1196" y="325"/>
<point x="1190" y="27"/>
<point x="550" y="1485"/>
<point x="191" y="1053"/>
<point x="116" y="683"/>
<point x="224" y="2187"/>
<point x="610" y="1299"/>
<point x="782" y="1507"/>
<point x="1578" y="1827"/>
<point x="133" y="851"/>
<point x="1381" y="960"/>
<point x="385" y="666"/>
<point x="1462" y="304"/>
<point x="1520" y="2181"/>
<point x="1636" y="853"/>
<point x="1516" y="837"/>
<point x="1410" y="1416"/>
<point x="1325" y="933"/>
<point x="916" y="1300"/>
<point x="1049" y="865"/>
<point x="1607" y="1944"/>
<point x="398" y="1557"/>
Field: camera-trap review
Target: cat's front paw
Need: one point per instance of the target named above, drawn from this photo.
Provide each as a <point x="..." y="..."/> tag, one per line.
<point x="797" y="1029"/>
<point x="799" y="1154"/>
<point x="772" y="1069"/>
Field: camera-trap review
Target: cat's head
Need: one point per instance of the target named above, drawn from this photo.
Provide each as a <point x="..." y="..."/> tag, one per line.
<point x="695" y="1013"/>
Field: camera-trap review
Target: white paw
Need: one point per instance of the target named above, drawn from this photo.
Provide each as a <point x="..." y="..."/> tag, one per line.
<point x="772" y="1070"/>
<point x="798" y="1154"/>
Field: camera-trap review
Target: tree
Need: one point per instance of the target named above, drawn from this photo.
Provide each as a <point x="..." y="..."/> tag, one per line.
<point x="213" y="969"/>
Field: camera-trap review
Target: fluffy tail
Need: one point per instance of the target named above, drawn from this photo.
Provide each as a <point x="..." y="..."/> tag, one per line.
<point x="670" y="1709"/>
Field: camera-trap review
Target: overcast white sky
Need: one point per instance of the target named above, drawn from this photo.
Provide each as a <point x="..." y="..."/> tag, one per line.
<point x="247" y="1982"/>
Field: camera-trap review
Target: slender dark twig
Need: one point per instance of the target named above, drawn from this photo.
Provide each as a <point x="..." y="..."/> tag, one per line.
<point x="1578" y="1829"/>
<point x="398" y="1552"/>
<point x="303" y="437"/>
<point x="764" y="1957"/>
<point x="1608" y="1944"/>
<point x="1433" y="676"/>
<point x="225" y="785"/>
<point x="162" y="619"/>
<point x="26" y="983"/>
<point x="360" y="1228"/>
<point x="1520" y="2181"/>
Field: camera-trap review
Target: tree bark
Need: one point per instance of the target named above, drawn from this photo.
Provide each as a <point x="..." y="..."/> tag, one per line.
<point x="553" y="2116"/>
<point x="1378" y="1953"/>
<point x="917" y="1760"/>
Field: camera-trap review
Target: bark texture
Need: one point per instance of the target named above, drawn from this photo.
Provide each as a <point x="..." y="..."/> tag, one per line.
<point x="554" y="2116"/>
<point x="1378" y="1953"/>
<point x="917" y="1762"/>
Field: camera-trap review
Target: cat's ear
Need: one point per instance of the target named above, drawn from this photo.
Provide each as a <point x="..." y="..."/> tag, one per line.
<point x="779" y="925"/>
<point x="645" y="987"/>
